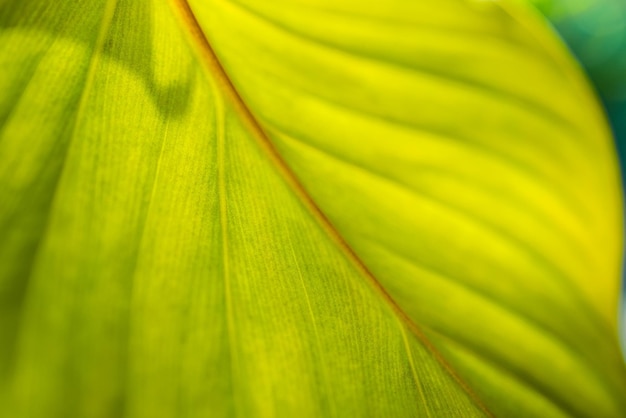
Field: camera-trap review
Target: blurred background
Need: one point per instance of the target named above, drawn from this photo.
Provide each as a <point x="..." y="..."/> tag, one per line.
<point x="595" y="31"/>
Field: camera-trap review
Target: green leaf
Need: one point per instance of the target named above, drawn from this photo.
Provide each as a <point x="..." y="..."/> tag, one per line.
<point x="595" y="30"/>
<point x="302" y="208"/>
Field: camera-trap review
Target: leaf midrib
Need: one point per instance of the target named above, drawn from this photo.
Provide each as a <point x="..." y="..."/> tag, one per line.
<point x="202" y="46"/>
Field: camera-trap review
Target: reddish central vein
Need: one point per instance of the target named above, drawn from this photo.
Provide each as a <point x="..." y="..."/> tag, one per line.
<point x="215" y="68"/>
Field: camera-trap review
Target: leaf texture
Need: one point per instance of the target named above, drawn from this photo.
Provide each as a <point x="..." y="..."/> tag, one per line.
<point x="311" y="208"/>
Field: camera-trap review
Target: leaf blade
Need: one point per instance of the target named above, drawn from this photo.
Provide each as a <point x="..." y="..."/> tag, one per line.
<point x="174" y="217"/>
<point x="287" y="98"/>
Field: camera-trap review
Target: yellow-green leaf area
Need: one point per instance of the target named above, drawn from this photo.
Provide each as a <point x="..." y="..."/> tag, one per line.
<point x="302" y="208"/>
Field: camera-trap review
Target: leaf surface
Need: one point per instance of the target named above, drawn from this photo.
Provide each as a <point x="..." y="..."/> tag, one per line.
<point x="312" y="208"/>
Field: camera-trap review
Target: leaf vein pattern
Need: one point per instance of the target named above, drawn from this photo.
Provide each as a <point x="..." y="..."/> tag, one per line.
<point x="573" y="202"/>
<point x="105" y="26"/>
<point x="487" y="298"/>
<point x="214" y="67"/>
<point x="19" y="95"/>
<point x="563" y="342"/>
<point x="551" y="396"/>
<point x="318" y="342"/>
<point x="107" y="20"/>
<point x="414" y="374"/>
<point x="480" y="222"/>
<point x="534" y="108"/>
<point x="139" y="249"/>
<point x="223" y="211"/>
